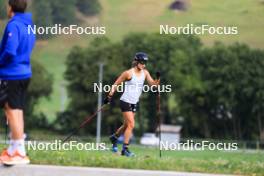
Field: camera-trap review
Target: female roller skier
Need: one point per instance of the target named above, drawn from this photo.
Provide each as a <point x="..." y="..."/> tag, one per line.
<point x="134" y="79"/>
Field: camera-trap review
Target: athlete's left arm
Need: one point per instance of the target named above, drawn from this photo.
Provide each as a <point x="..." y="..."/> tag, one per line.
<point x="150" y="80"/>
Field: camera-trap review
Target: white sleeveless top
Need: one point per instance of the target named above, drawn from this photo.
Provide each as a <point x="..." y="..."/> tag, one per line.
<point x="133" y="88"/>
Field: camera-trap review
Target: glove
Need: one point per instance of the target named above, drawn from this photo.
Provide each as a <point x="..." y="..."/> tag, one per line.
<point x="107" y="100"/>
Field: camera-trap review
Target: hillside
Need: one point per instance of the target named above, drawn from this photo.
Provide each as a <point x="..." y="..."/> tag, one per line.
<point x="121" y="17"/>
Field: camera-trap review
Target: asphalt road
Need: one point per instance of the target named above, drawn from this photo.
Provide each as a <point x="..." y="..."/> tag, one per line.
<point x="41" y="170"/>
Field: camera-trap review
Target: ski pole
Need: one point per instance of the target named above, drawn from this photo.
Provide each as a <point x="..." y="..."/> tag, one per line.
<point x="86" y="121"/>
<point x="158" y="114"/>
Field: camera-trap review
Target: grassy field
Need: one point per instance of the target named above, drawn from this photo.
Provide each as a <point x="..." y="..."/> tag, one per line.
<point x="246" y="163"/>
<point x="122" y="17"/>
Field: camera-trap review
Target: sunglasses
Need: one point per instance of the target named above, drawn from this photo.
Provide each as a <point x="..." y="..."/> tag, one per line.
<point x="142" y="62"/>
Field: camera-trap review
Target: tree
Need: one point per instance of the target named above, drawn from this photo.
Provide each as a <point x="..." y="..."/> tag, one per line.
<point x="233" y="78"/>
<point x="42" y="12"/>
<point x="3" y="9"/>
<point x="88" y="7"/>
<point x="166" y="55"/>
<point x="82" y="71"/>
<point x="49" y="12"/>
<point x="63" y="13"/>
<point x="82" y="68"/>
<point x="217" y="92"/>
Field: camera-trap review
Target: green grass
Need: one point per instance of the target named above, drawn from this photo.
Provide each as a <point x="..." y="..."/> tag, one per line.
<point x="122" y="17"/>
<point x="246" y="163"/>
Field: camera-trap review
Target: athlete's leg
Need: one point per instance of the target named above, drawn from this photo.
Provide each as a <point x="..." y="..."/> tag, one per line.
<point x="14" y="114"/>
<point x="129" y="118"/>
<point x="116" y="135"/>
<point x="121" y="129"/>
<point x="16" y="122"/>
<point x="130" y="123"/>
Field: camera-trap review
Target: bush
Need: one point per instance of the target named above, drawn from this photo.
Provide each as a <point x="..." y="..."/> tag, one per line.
<point x="40" y="86"/>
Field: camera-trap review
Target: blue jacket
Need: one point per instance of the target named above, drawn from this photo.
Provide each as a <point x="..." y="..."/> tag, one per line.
<point x="16" y="47"/>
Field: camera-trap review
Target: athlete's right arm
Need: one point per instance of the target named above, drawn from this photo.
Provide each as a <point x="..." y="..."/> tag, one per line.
<point x="123" y="77"/>
<point x="10" y="49"/>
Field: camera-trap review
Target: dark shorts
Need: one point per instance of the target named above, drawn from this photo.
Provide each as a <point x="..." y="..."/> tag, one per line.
<point x="126" y="107"/>
<point x="16" y="93"/>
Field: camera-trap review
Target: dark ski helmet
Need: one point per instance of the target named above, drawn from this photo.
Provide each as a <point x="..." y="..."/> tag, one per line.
<point x="141" y="57"/>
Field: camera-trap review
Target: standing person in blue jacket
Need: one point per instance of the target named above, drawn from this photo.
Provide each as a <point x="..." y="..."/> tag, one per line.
<point x="15" y="70"/>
